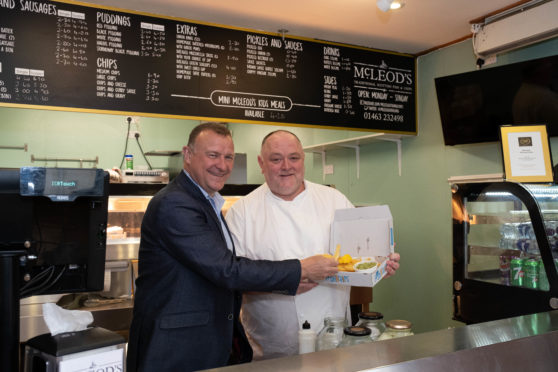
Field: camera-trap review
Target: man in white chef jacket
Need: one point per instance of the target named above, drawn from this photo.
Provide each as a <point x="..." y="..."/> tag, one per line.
<point x="287" y="217"/>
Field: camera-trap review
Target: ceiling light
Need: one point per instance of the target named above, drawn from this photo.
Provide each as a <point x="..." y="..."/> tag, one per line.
<point x="387" y="5"/>
<point x="396" y="5"/>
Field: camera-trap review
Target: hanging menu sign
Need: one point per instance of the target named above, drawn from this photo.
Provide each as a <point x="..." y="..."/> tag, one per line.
<point x="68" y="56"/>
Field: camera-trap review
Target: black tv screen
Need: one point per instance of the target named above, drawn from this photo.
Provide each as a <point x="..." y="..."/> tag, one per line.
<point x="474" y="104"/>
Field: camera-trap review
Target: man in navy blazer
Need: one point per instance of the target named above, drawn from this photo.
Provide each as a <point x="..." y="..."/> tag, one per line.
<point x="188" y="292"/>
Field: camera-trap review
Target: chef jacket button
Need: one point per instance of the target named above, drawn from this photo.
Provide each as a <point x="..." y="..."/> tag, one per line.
<point x="230" y="317"/>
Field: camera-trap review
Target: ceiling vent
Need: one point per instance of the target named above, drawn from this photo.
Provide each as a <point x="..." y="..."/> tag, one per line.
<point x="522" y="25"/>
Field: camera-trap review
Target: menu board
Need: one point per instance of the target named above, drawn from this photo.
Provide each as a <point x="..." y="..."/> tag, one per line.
<point x="69" y="56"/>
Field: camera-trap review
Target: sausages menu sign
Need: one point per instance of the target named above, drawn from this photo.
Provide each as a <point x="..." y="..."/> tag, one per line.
<point x="69" y="56"/>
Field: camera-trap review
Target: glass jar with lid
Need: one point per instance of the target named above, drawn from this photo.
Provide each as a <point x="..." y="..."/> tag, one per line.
<point x="355" y="335"/>
<point x="396" y="328"/>
<point x="373" y="320"/>
<point x="331" y="334"/>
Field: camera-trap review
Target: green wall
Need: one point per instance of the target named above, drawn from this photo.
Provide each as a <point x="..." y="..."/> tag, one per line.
<point x="419" y="199"/>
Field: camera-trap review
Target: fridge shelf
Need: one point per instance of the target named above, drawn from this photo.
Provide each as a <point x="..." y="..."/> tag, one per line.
<point x="493" y="251"/>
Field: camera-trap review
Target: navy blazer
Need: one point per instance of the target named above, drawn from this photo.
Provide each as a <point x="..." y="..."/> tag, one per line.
<point x="187" y="300"/>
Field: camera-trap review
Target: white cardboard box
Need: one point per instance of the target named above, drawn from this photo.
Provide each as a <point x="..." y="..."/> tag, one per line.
<point x="362" y="232"/>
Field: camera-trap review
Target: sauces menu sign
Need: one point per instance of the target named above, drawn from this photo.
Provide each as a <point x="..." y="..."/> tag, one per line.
<point x="65" y="56"/>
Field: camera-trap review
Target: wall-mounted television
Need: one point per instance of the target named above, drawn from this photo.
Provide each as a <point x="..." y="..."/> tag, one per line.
<point x="474" y="104"/>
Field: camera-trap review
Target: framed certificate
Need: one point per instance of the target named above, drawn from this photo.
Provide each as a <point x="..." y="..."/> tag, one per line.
<point x="526" y="153"/>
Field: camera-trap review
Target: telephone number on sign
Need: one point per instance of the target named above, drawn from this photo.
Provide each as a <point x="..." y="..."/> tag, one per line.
<point x="383" y="117"/>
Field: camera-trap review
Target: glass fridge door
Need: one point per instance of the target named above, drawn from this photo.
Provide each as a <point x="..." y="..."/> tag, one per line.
<point x="503" y="246"/>
<point x="505" y="249"/>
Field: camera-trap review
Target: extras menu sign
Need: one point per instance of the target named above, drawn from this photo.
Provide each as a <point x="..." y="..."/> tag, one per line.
<point x="69" y="56"/>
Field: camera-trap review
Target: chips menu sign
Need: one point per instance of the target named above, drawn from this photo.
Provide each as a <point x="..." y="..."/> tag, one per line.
<point x="69" y="56"/>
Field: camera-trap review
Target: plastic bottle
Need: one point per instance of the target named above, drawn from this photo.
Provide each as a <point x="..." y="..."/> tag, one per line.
<point x="306" y="339"/>
<point x="129" y="161"/>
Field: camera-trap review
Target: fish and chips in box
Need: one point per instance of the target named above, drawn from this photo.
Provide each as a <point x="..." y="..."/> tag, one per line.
<point x="366" y="234"/>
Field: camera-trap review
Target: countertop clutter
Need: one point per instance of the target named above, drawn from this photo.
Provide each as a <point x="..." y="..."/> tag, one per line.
<point x="522" y="343"/>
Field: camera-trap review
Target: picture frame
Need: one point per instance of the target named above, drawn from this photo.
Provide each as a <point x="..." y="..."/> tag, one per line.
<point x="526" y="153"/>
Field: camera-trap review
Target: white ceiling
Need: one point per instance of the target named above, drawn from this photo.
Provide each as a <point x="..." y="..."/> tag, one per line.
<point x="419" y="26"/>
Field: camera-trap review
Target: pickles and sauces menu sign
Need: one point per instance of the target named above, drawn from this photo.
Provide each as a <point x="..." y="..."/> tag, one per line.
<point x="69" y="56"/>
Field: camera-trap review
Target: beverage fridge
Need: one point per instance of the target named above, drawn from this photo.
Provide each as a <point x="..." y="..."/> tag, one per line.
<point x="505" y="249"/>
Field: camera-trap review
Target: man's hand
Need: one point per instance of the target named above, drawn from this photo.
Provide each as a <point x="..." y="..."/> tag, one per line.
<point x="305" y="286"/>
<point x="316" y="268"/>
<point x="392" y="264"/>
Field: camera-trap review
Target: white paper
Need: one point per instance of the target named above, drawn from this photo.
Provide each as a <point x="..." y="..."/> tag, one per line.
<point x="526" y="154"/>
<point x="59" y="320"/>
<point x="106" y="361"/>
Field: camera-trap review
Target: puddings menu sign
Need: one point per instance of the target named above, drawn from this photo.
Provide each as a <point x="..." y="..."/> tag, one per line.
<point x="70" y="56"/>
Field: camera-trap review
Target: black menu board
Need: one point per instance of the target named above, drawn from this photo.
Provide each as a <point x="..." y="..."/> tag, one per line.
<point x="69" y="56"/>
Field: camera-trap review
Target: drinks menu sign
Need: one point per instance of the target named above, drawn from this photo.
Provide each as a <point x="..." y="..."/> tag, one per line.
<point x="64" y="55"/>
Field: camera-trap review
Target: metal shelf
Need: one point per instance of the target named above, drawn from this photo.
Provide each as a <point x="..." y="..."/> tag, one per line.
<point x="162" y="153"/>
<point x="355" y="143"/>
<point x="24" y="147"/>
<point x="480" y="250"/>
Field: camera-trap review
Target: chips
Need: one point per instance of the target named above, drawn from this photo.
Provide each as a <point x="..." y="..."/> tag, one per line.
<point x="345" y="263"/>
<point x="345" y="259"/>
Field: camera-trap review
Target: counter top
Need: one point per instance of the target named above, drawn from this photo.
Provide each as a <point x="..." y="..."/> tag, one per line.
<point x="521" y="343"/>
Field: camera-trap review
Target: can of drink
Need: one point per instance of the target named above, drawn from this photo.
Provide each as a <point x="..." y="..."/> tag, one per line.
<point x="531" y="276"/>
<point x="516" y="271"/>
<point x="129" y="159"/>
<point x="505" y="270"/>
<point x="543" y="279"/>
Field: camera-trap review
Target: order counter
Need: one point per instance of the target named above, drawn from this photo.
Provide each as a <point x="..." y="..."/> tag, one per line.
<point x="527" y="342"/>
<point x="524" y="343"/>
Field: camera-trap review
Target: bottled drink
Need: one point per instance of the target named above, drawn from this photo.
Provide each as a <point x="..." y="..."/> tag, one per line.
<point x="129" y="161"/>
<point x="331" y="335"/>
<point x="374" y="321"/>
<point x="505" y="269"/>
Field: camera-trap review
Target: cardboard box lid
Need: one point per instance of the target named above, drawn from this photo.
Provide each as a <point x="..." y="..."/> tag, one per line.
<point x="363" y="232"/>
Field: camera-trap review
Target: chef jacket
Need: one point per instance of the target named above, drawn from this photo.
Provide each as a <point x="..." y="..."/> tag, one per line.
<point x="265" y="226"/>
